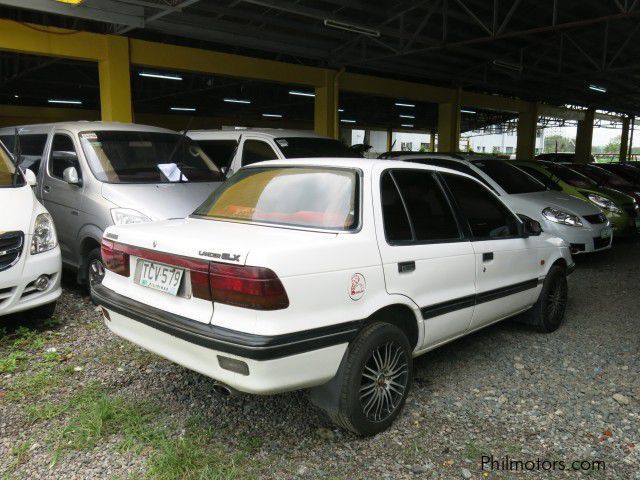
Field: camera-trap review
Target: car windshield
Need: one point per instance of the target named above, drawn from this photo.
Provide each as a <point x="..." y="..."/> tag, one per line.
<point x="315" y="197"/>
<point x="573" y="178"/>
<point x="602" y="176"/>
<point x="309" y="147"/>
<point x="146" y="157"/>
<point x="511" y="179"/>
<point x="8" y="175"/>
<point x="220" y="151"/>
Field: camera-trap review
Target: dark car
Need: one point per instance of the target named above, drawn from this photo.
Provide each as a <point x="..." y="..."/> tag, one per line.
<point x="605" y="178"/>
<point x="627" y="171"/>
<point x="559" y="157"/>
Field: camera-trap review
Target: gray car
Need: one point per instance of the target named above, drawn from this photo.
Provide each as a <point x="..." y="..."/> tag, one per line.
<point x="95" y="174"/>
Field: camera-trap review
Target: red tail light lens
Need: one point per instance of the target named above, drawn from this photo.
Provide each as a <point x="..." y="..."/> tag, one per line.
<point x="114" y="258"/>
<point x="249" y="287"/>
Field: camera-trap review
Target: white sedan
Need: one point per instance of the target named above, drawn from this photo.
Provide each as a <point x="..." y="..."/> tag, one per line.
<point x="331" y="274"/>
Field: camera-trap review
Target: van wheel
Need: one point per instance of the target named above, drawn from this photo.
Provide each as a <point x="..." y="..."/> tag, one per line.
<point x="372" y="383"/>
<point x="548" y="312"/>
<point x="94" y="268"/>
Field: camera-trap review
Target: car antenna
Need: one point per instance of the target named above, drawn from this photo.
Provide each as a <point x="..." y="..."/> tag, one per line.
<point x="179" y="143"/>
<point x="17" y="153"/>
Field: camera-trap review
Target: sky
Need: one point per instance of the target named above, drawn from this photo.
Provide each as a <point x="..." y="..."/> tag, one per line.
<point x="601" y="136"/>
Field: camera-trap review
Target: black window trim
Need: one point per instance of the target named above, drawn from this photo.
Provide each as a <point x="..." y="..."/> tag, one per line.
<point x="519" y="223"/>
<point x="255" y="139"/>
<point x="463" y="233"/>
<point x="50" y="153"/>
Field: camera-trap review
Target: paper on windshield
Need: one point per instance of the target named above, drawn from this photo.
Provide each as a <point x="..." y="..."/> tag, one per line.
<point x="172" y="172"/>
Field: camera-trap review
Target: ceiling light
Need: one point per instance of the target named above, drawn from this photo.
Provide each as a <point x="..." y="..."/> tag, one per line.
<point x="341" y="110"/>
<point x="72" y="102"/>
<point x="351" y="28"/>
<point x="462" y="110"/>
<point x="272" y="115"/>
<point x="301" y="94"/>
<point x="236" y="100"/>
<point x="16" y="96"/>
<point x="598" y="88"/>
<point x="346" y="120"/>
<point x="408" y="125"/>
<point x="71" y="2"/>
<point x="164" y="76"/>
<point x="406" y="116"/>
<point x="410" y="105"/>
<point x="183" y="109"/>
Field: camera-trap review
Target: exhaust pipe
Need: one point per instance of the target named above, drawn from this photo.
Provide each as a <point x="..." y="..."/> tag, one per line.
<point x="224" y="390"/>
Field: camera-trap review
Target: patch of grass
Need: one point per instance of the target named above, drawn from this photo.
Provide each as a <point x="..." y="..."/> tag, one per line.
<point x="473" y="451"/>
<point x="36" y="384"/>
<point x="27" y="339"/>
<point x="35" y="412"/>
<point x="10" y="362"/>
<point x="21" y="450"/>
<point x="198" y="454"/>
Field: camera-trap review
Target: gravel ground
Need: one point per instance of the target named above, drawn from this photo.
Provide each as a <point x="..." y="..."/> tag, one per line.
<point x="504" y="391"/>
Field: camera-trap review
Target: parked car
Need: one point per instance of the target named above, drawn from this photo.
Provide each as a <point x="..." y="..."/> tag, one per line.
<point x="605" y="178"/>
<point x="331" y="274"/>
<point x="628" y="172"/>
<point x="232" y="149"/>
<point x="95" y="174"/>
<point x="29" y="253"/>
<point x="560" y="157"/>
<point x="620" y="209"/>
<point x="578" y="222"/>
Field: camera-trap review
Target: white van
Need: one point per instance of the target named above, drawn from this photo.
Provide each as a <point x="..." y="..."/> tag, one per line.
<point x="30" y="265"/>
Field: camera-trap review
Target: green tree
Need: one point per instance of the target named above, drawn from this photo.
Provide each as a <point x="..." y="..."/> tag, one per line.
<point x="564" y="144"/>
<point x="613" y="146"/>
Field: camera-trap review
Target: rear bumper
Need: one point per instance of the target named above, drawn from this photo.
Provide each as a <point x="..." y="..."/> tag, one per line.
<point x="275" y="363"/>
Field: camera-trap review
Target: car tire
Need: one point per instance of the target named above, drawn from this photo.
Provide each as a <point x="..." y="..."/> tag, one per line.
<point x="372" y="383"/>
<point x="547" y="313"/>
<point x="42" y="312"/>
<point x="94" y="268"/>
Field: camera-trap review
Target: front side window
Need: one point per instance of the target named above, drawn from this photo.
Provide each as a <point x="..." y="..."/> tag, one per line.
<point x="487" y="217"/>
<point x="512" y="180"/>
<point x="63" y="155"/>
<point x="116" y="156"/>
<point x="219" y="151"/>
<point x="315" y="197"/>
<point x="309" y="147"/>
<point x="256" y="151"/>
<point x="9" y="176"/>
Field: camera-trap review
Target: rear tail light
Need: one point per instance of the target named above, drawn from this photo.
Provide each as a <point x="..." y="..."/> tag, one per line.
<point x="115" y="258"/>
<point x="257" y="288"/>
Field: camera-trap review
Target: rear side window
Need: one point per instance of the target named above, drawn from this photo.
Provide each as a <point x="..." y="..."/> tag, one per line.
<point x="63" y="155"/>
<point x="219" y="151"/>
<point x="420" y="202"/>
<point x="256" y="151"/>
<point x="488" y="218"/>
<point x="541" y="177"/>
<point x="31" y="148"/>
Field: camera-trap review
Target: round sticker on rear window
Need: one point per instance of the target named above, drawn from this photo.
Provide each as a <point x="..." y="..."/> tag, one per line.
<point x="358" y="286"/>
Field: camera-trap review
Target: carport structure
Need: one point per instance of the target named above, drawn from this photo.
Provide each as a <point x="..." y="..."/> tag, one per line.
<point x="522" y="58"/>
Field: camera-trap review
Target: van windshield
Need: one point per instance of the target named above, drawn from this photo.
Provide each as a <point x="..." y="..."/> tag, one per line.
<point x="146" y="157"/>
<point x="8" y="175"/>
<point x="316" y="197"/>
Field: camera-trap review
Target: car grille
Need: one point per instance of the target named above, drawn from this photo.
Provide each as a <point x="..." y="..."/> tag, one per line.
<point x="601" y="242"/>
<point x="599" y="218"/>
<point x="11" y="244"/>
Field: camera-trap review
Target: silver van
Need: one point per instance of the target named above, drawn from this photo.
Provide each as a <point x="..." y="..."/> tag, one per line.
<point x="91" y="175"/>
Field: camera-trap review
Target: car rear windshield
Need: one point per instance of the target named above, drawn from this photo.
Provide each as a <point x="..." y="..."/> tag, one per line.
<point x="146" y="157"/>
<point x="315" y="197"/>
<point x="309" y="147"/>
<point x="8" y="175"/>
<point x="573" y="178"/>
<point x="510" y="178"/>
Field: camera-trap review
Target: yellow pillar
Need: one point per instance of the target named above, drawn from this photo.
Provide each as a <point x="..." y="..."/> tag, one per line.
<point x="624" y="140"/>
<point x="115" y="80"/>
<point x="326" y="106"/>
<point x="448" y="127"/>
<point x="527" y="133"/>
<point x="584" y="137"/>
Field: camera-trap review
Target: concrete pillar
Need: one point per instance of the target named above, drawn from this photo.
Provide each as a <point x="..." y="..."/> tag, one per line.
<point x="432" y="141"/>
<point x="527" y="131"/>
<point x="624" y="140"/>
<point x="448" y="127"/>
<point x="325" y="118"/>
<point x="115" y="81"/>
<point x="584" y="137"/>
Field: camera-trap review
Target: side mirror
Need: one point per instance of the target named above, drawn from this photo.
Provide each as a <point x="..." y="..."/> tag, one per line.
<point x="30" y="177"/>
<point x="70" y="175"/>
<point x="224" y="170"/>
<point x="532" y="227"/>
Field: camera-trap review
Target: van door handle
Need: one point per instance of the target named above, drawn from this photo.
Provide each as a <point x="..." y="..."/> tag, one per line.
<point x="487" y="256"/>
<point x="46" y="188"/>
<point x="406" y="267"/>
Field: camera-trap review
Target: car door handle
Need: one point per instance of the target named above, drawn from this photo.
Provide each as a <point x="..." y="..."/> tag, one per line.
<point x="487" y="256"/>
<point x="406" y="267"/>
<point x="46" y="188"/>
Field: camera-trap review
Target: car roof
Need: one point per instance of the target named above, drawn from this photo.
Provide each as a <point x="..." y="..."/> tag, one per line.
<point x="83" y="126"/>
<point x="266" y="132"/>
<point x="454" y="157"/>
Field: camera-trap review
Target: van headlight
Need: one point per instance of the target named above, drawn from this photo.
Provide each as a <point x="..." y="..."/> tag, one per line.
<point x="44" y="234"/>
<point x="125" y="216"/>
<point x="562" y="217"/>
<point x="604" y="202"/>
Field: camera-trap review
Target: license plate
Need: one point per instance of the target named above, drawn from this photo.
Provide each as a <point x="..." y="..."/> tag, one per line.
<point x="605" y="232"/>
<point x="160" y="277"/>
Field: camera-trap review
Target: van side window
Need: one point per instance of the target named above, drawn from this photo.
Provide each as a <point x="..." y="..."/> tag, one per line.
<point x="394" y="215"/>
<point x="256" y="151"/>
<point x="31" y="149"/>
<point x="63" y="155"/>
<point x="488" y="218"/>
